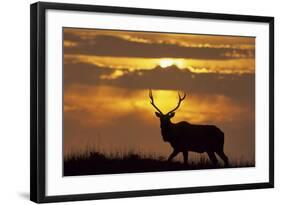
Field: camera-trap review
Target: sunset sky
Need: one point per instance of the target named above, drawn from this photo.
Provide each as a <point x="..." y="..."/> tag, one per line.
<point x="107" y="75"/>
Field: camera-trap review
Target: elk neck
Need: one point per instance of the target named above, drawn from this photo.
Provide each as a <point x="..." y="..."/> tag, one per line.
<point x="166" y="129"/>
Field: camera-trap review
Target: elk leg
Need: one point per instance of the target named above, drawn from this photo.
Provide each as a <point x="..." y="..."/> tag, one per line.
<point x="213" y="158"/>
<point x="224" y="158"/>
<point x="174" y="153"/>
<point x="185" y="157"/>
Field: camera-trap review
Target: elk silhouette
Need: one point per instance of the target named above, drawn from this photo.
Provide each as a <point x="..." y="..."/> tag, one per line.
<point x="185" y="137"/>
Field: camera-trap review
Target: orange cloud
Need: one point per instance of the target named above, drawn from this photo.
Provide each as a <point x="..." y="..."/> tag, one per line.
<point x="238" y="66"/>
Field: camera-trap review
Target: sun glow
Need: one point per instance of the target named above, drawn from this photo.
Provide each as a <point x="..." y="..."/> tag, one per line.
<point x="239" y="66"/>
<point x="166" y="62"/>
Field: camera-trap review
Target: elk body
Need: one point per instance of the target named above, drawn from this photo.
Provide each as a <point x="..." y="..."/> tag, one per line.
<point x="185" y="137"/>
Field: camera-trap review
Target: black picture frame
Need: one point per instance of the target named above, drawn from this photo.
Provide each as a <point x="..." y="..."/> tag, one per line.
<point x="38" y="101"/>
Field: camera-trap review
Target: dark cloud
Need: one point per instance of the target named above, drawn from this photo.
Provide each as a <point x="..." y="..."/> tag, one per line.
<point x="71" y="36"/>
<point x="83" y="73"/>
<point x="236" y="86"/>
<point x="106" y="45"/>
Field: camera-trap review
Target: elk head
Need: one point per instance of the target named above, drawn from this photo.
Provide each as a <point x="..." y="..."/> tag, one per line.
<point x="165" y="118"/>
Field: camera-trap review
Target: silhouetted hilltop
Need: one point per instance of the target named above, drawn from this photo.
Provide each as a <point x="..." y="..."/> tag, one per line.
<point x="96" y="163"/>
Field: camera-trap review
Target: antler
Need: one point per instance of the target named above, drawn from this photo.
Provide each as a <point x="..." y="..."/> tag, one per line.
<point x="152" y="101"/>
<point x="180" y="100"/>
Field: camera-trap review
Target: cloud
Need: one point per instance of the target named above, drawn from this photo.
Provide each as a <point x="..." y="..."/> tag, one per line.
<point x="183" y="39"/>
<point x="197" y="66"/>
<point x="236" y="86"/>
<point x="116" y="46"/>
<point x="82" y="73"/>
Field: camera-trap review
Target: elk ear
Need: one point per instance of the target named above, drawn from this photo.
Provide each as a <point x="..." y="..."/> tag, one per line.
<point x="171" y="114"/>
<point x="157" y="114"/>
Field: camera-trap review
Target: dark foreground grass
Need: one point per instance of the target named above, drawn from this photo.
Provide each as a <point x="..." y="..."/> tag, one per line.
<point x="94" y="163"/>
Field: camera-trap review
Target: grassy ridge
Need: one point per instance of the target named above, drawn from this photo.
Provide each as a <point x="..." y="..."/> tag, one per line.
<point x="94" y="163"/>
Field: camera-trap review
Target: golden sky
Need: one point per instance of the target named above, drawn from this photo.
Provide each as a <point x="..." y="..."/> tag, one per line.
<point x="107" y="75"/>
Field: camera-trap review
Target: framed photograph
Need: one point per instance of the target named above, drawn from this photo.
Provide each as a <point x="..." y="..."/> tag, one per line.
<point x="129" y="102"/>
